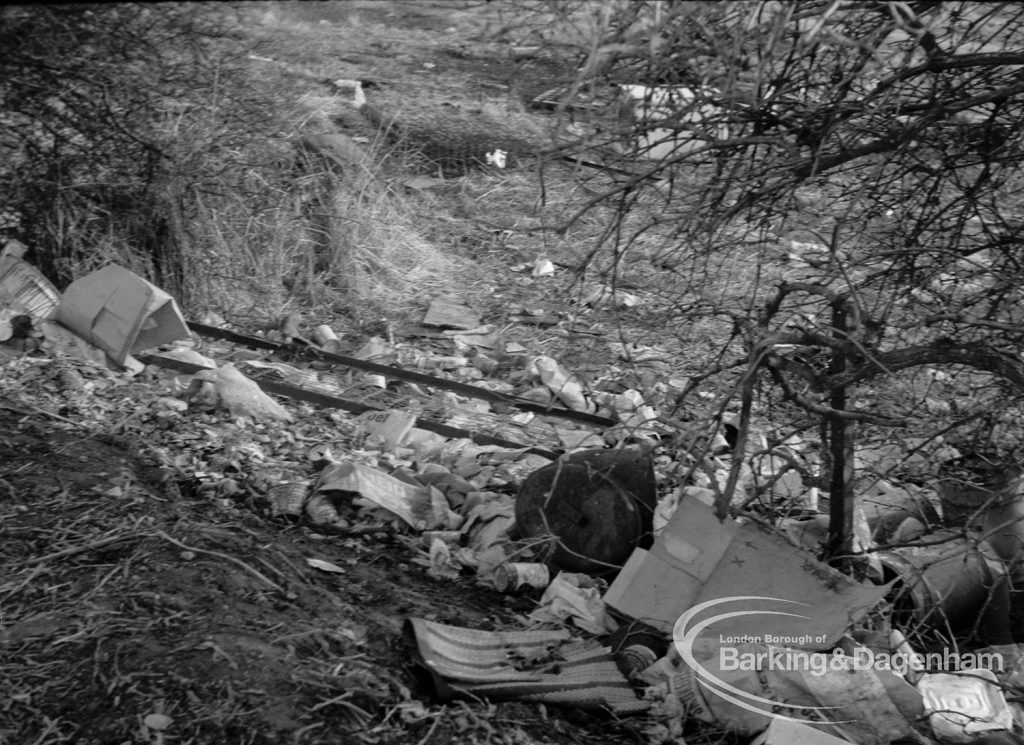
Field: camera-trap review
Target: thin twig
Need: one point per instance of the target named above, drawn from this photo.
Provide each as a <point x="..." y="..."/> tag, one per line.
<point x="291" y="566"/>
<point x="58" y="417"/>
<point x="86" y="547"/>
<point x="343" y="700"/>
<point x="271" y="567"/>
<point x="430" y="732"/>
<point x="232" y="559"/>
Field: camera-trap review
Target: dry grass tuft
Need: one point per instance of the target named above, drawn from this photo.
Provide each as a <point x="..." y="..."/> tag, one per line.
<point x="377" y="255"/>
<point x="454" y="136"/>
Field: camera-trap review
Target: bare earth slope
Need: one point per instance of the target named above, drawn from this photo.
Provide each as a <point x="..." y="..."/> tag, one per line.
<point x="142" y="602"/>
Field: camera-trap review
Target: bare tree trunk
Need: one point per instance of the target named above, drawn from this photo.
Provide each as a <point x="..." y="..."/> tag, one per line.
<point x="841" y="440"/>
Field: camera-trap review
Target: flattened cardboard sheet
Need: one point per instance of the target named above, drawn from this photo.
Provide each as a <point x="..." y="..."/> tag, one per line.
<point x="791" y="597"/>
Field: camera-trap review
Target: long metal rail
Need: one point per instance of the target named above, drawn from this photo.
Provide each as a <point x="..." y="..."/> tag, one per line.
<point x="356" y="407"/>
<point x="409" y="376"/>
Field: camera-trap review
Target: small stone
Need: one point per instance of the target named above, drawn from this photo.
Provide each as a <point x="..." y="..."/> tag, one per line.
<point x="157" y="722"/>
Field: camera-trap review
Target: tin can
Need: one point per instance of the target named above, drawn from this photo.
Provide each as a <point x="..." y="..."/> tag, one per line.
<point x="638" y="658"/>
<point x="514" y="575"/>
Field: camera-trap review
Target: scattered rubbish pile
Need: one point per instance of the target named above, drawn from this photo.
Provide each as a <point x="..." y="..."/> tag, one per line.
<point x="646" y="602"/>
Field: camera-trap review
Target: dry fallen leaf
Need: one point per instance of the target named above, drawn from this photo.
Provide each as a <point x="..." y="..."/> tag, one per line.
<point x="325" y="566"/>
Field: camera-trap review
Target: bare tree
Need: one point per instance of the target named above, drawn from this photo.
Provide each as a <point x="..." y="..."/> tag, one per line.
<point x="886" y="136"/>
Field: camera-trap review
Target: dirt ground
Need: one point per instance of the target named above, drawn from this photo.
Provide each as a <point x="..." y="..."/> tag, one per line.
<point x="142" y="603"/>
<point x="125" y="595"/>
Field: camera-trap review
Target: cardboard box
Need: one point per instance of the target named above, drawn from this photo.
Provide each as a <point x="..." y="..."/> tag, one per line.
<point x="120" y="312"/>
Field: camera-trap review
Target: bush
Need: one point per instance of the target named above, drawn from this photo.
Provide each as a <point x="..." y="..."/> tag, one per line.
<point x="134" y="134"/>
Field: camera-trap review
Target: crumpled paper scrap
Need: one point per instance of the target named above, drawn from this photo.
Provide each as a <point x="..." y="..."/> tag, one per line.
<point x="242" y="396"/>
<point x="421" y="507"/>
<point x="564" y="384"/>
<point x="575" y="597"/>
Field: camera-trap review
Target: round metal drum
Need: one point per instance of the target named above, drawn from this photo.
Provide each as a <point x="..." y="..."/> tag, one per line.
<point x="952" y="587"/>
<point x="598" y="504"/>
